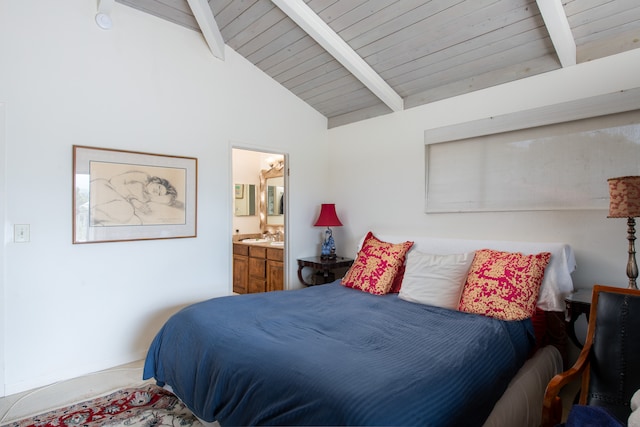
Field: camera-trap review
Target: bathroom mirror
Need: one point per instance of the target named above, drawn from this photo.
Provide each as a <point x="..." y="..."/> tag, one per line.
<point x="275" y="197"/>
<point x="272" y="200"/>
<point x="244" y="202"/>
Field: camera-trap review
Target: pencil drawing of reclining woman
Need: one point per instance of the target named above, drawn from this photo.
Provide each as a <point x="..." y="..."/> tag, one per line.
<point x="131" y="198"/>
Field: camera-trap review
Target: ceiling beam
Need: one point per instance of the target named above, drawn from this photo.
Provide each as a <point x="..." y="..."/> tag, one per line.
<point x="208" y="26"/>
<point x="310" y="22"/>
<point x="555" y="19"/>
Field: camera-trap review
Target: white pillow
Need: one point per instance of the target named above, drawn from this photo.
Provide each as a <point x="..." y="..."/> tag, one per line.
<point x="435" y="279"/>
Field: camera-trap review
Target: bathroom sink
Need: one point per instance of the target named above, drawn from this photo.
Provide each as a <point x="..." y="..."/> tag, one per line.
<point x="255" y="240"/>
<point x="277" y="243"/>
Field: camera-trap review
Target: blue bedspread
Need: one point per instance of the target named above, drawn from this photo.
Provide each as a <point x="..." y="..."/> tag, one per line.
<point x="329" y="355"/>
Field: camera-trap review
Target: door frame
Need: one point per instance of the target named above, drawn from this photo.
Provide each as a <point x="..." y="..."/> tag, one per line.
<point x="3" y="198"/>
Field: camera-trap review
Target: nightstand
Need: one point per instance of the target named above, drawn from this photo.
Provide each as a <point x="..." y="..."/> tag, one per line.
<point x="324" y="269"/>
<point x="577" y="303"/>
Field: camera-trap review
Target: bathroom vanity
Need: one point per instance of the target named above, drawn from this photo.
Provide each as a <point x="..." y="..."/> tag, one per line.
<point x="258" y="266"/>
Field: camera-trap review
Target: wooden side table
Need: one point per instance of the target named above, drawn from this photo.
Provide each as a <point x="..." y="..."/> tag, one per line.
<point x="577" y="303"/>
<point x="323" y="268"/>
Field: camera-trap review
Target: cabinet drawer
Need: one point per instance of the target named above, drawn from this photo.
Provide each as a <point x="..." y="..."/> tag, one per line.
<point x="239" y="249"/>
<point x="257" y="252"/>
<point x="275" y="254"/>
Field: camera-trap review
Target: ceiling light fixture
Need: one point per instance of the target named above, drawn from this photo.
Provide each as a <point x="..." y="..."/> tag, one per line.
<point x="103" y="19"/>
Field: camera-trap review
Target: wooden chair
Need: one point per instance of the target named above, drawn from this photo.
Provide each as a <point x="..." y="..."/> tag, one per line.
<point x="609" y="362"/>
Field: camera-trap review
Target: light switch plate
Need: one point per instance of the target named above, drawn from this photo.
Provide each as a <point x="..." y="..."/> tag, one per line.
<point x="21" y="233"/>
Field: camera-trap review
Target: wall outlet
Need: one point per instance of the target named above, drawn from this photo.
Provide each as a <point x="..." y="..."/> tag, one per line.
<point x="21" y="233"/>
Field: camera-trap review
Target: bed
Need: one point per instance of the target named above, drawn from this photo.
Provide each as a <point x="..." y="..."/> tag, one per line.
<point x="335" y="355"/>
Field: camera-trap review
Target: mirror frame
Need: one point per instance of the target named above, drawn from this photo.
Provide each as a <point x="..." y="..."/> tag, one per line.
<point x="264" y="175"/>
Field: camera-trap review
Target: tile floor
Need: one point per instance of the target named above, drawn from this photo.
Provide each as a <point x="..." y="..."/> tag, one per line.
<point x="22" y="405"/>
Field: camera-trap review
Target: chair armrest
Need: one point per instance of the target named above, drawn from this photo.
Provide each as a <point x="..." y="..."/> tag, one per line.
<point x="552" y="405"/>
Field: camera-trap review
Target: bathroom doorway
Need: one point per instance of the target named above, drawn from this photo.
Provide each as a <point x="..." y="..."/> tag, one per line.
<point x="259" y="220"/>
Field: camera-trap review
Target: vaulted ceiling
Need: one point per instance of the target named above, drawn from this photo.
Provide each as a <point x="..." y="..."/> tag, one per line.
<point x="356" y="59"/>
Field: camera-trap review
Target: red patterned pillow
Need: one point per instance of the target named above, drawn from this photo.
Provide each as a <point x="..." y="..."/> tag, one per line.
<point x="504" y="285"/>
<point x="397" y="281"/>
<point x="376" y="265"/>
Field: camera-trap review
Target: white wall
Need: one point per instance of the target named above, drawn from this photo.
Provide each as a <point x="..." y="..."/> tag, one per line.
<point x="3" y="236"/>
<point x="145" y="85"/>
<point x="384" y="189"/>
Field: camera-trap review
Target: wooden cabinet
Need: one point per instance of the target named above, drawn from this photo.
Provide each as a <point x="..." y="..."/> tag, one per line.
<point x="275" y="269"/>
<point x="257" y="268"/>
<point x="240" y="268"/>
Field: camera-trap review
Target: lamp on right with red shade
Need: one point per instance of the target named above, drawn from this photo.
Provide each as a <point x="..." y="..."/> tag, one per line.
<point x="624" y="202"/>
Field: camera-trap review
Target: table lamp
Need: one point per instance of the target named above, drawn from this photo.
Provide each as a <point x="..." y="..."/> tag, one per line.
<point x="328" y="218"/>
<point x="624" y="202"/>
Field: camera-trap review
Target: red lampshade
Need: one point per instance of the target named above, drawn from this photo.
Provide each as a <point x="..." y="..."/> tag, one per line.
<point x="328" y="216"/>
<point x="624" y="197"/>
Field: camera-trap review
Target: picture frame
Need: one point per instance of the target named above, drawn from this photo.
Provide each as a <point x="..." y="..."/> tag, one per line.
<point x="121" y="195"/>
<point x="239" y="190"/>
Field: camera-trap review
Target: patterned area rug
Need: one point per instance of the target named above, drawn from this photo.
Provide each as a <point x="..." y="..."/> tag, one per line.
<point x="149" y="406"/>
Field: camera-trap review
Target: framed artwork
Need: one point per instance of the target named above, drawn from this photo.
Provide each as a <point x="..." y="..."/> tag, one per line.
<point x="239" y="190"/>
<point x="126" y="195"/>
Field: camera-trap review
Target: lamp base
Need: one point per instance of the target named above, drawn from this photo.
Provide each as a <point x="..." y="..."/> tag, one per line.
<point x="328" y="246"/>
<point x="632" y="267"/>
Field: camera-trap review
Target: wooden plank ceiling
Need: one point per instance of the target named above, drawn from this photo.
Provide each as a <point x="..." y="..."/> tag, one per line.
<point x="421" y="50"/>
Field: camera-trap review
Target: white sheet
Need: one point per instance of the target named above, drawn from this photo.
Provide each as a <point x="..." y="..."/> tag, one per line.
<point x="521" y="403"/>
<point x="634" y="418"/>
<point x="556" y="285"/>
